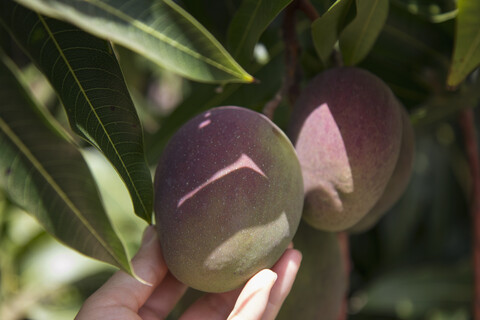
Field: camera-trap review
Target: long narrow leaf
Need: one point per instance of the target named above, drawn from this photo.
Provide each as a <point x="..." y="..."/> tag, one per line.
<point x="466" y="54"/>
<point x="205" y="97"/>
<point x="248" y="24"/>
<point x="85" y="73"/>
<point x="327" y="29"/>
<point x="359" y="36"/>
<point x="158" y="29"/>
<point x="47" y="176"/>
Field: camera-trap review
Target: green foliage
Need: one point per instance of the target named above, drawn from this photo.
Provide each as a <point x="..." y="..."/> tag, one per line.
<point x="159" y="30"/>
<point x="47" y="176"/>
<point x="359" y="36"/>
<point x="413" y="293"/>
<point x="248" y="24"/>
<point x="91" y="88"/>
<point x="327" y="29"/>
<point x="124" y="75"/>
<point x="466" y="55"/>
<point x="355" y="36"/>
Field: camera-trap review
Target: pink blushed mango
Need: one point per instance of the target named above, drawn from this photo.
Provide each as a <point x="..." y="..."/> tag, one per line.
<point x="346" y="128"/>
<point x="398" y="181"/>
<point x="228" y="198"/>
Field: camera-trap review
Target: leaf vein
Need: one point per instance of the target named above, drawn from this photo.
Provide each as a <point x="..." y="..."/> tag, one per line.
<point x="51" y="181"/>
<point x="82" y="92"/>
<point x="156" y="34"/>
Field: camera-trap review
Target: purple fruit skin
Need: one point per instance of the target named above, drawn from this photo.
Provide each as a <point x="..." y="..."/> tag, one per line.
<point x="346" y="128"/>
<point x="228" y="198"/>
<point x="398" y="182"/>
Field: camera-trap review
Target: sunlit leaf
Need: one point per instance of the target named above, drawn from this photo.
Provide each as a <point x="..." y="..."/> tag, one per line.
<point x="327" y="28"/>
<point x="466" y="53"/>
<point x="85" y="74"/>
<point x="47" y="176"/>
<point x="160" y="30"/>
<point x="248" y="24"/>
<point x="206" y="97"/>
<point x="359" y="36"/>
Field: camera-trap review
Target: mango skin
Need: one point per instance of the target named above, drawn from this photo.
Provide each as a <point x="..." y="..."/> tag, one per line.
<point x="322" y="282"/>
<point x="228" y="198"/>
<point x="346" y="127"/>
<point x="398" y="181"/>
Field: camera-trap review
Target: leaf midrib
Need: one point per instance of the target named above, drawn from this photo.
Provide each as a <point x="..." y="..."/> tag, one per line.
<point x="469" y="53"/>
<point x="51" y="181"/>
<point x="161" y="37"/>
<point x="82" y="90"/>
<point x="249" y="25"/>
<point x="364" y="29"/>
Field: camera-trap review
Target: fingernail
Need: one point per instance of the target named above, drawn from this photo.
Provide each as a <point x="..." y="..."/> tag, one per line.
<point x="274" y="277"/>
<point x="271" y="276"/>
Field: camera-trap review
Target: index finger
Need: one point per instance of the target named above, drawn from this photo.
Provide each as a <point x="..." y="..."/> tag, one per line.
<point x="125" y="292"/>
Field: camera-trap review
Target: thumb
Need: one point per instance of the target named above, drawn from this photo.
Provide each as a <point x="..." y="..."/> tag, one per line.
<point x="122" y="290"/>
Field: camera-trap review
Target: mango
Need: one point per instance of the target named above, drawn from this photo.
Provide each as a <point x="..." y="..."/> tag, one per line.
<point x="346" y="127"/>
<point x="322" y="282"/>
<point x="228" y="198"/>
<point x="398" y="181"/>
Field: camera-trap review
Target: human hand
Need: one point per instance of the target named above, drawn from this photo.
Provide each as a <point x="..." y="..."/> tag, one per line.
<point x="124" y="298"/>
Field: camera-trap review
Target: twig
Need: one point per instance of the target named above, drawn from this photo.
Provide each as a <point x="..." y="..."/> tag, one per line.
<point x="309" y="10"/>
<point x="290" y="86"/>
<point x="467" y="125"/>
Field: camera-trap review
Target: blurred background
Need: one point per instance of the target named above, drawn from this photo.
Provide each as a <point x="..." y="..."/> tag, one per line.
<point x="415" y="264"/>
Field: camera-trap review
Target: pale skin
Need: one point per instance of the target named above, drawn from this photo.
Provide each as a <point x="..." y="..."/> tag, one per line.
<point x="124" y="298"/>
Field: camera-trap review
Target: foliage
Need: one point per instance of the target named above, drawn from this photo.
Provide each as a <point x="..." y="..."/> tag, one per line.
<point x="90" y="91"/>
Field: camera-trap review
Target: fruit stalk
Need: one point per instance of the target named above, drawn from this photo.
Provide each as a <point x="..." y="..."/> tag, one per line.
<point x="343" y="239"/>
<point x="469" y="135"/>
<point x="309" y="10"/>
<point x="289" y="86"/>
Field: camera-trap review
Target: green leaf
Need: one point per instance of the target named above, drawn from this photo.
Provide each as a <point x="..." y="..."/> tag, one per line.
<point x="327" y="28"/>
<point x="248" y="24"/>
<point x="406" y="46"/>
<point x="85" y="74"/>
<point x="466" y="53"/>
<point x="204" y="97"/>
<point x="360" y="35"/>
<point x="160" y="30"/>
<point x="415" y="292"/>
<point x="47" y="175"/>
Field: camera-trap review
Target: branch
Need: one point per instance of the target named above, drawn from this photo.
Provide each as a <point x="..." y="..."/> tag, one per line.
<point x="309" y="10"/>
<point x="291" y="77"/>
<point x="467" y="125"/>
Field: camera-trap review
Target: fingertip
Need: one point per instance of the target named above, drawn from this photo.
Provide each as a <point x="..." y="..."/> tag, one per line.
<point x="297" y="256"/>
<point x="264" y="278"/>
<point x="273" y="276"/>
<point x="287" y="268"/>
<point x="268" y="273"/>
<point x="149" y="234"/>
<point x="253" y="299"/>
<point x="290" y="256"/>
